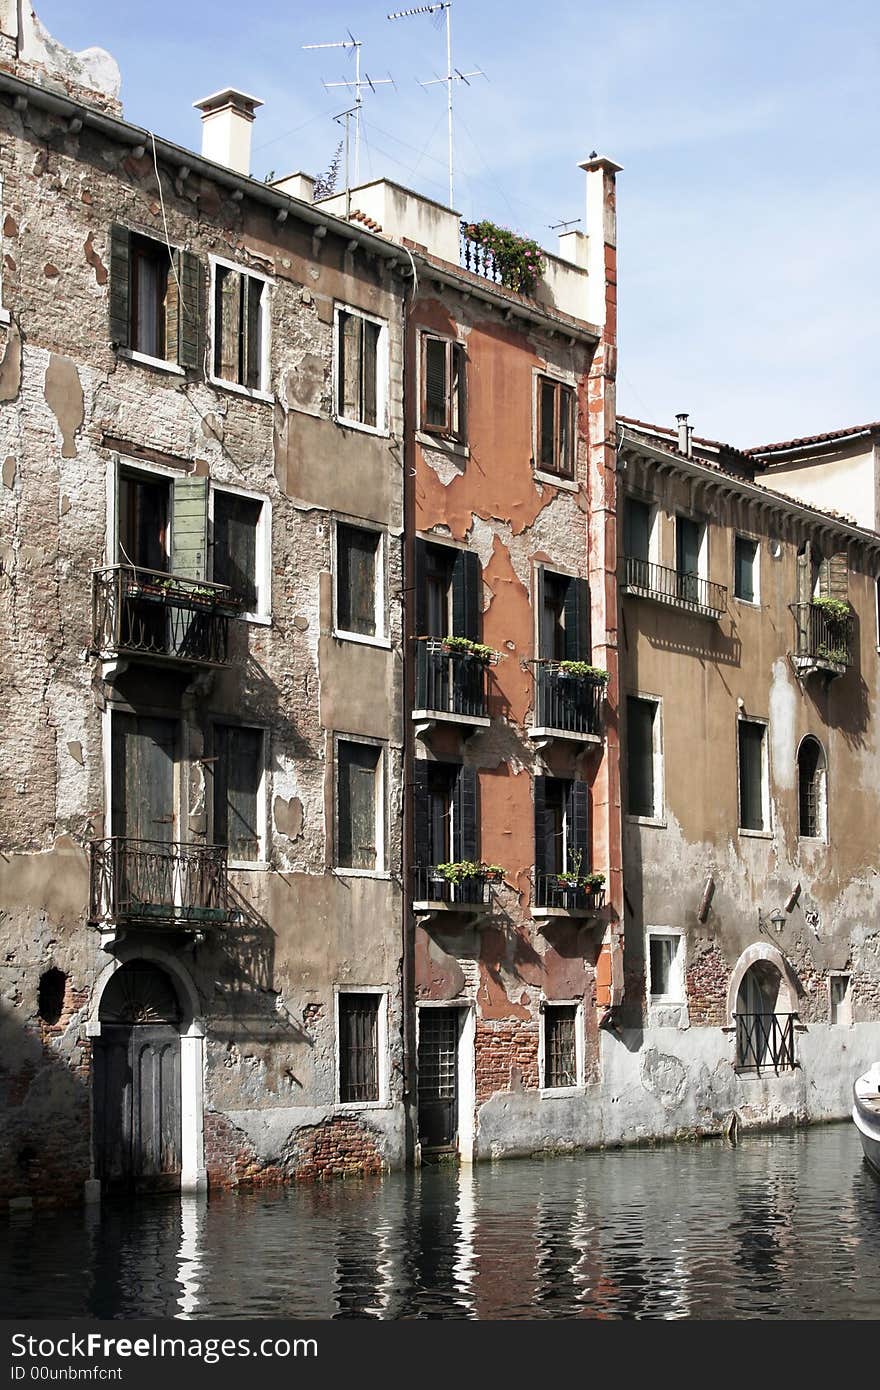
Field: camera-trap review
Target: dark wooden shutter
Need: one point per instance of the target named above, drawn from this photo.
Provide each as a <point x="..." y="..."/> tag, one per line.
<point x="348" y="365"/>
<point x="540" y="825"/>
<point x="577" y="817"/>
<point x="370" y="372"/>
<point x="237" y="775"/>
<point x="191" y="317"/>
<point x="464" y="815"/>
<point x="189" y="528"/>
<point x="227" y="325"/>
<point x="636" y="529"/>
<point x="252" y="320"/>
<point x="834" y="577"/>
<point x="467" y="595"/>
<point x="640" y="756"/>
<point x="420" y="591"/>
<point x="420" y="814"/>
<point x="142" y="774"/>
<point x="120" y="280"/>
<point x="171" y="351"/>
<point x="435" y="397"/>
<point x="577" y="620"/>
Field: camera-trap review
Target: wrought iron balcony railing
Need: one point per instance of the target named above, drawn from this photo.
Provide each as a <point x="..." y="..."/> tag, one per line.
<point x="158" y="883"/>
<point x="682" y="590"/>
<point x="552" y="891"/>
<point x="449" y="683"/>
<point x="765" y="1040"/>
<point x="824" y="639"/>
<point x="161" y="616"/>
<point x="507" y="270"/>
<point x="567" y="702"/>
<point x="430" y="885"/>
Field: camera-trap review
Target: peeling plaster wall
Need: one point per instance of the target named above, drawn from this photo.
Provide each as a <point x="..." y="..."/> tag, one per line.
<point x="707" y="673"/>
<point x="71" y="406"/>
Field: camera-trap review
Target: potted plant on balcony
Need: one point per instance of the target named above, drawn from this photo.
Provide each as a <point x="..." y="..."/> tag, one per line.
<point x="837" y="614"/>
<point x="582" y="670"/>
<point x="518" y="261"/>
<point x="476" y="651"/>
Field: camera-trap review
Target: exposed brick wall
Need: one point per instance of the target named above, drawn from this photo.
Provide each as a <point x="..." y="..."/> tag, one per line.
<point x="506" y="1057"/>
<point x="338" y="1147"/>
<point x="708" y="977"/>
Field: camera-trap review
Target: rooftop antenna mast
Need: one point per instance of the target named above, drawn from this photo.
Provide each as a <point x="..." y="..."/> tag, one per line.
<point x="453" y="75"/>
<point x="358" y="84"/>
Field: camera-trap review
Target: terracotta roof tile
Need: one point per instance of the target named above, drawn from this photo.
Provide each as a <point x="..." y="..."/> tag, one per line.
<point x="872" y="428"/>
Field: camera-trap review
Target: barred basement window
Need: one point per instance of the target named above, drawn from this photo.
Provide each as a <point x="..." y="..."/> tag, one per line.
<point x="240" y="327"/>
<point x="555" y="427"/>
<point x="443" y="387"/>
<point x="360" y="369"/>
<point x="811" y="789"/>
<point x="560" y="1045"/>
<point x="359" y="1046"/>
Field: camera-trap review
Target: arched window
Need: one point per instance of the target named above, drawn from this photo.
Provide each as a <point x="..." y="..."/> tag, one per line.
<point x="764" y="1036"/>
<point x="811" y="789"/>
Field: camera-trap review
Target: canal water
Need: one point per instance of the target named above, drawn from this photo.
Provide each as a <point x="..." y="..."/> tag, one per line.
<point x="782" y="1226"/>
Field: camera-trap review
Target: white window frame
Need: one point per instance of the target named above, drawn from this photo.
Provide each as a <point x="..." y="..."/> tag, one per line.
<point x="579" y="1047"/>
<point x="756" y="569"/>
<point x="659" y="816"/>
<point x="845" y="1005"/>
<point x="122" y="462"/>
<point x="381" y="636"/>
<point x="676" y="995"/>
<point x="822" y="809"/>
<point x="431" y="439"/>
<point x="262" y="614"/>
<point x="262" y="861"/>
<point x="767" y="832"/>
<point x="382" y="1032"/>
<point x="382" y="372"/>
<point x="260" y="393"/>
<point x="564" y="379"/>
<point x="381" y="867"/>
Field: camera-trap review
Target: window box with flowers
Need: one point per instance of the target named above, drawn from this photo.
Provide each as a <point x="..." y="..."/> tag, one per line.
<point x="501" y="255"/>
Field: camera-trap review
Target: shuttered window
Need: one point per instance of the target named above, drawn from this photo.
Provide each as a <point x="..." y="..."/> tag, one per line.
<point x="238" y="774"/>
<point x="358" y="790"/>
<point x="240" y="308"/>
<point x="560" y="1045"/>
<point x="640" y="729"/>
<point x="563" y="617"/>
<point x="445" y="813"/>
<point x="637" y="517"/>
<point x="358" y="374"/>
<point x="745" y="556"/>
<point x="562" y="826"/>
<point x="443" y="387"/>
<point x="156" y="299"/>
<point x="235" y="549"/>
<point x="359" y="1046"/>
<point x="555" y="427"/>
<point x="358" y="568"/>
<point x="751" y="775"/>
<point x="833" y="578"/>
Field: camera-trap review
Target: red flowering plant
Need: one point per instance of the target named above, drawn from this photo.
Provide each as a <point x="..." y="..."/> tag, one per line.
<point x="517" y="262"/>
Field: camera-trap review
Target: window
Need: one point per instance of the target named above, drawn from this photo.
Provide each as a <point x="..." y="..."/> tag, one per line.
<point x="839" y="998"/>
<point x="563" y="617"/>
<point x="360" y="601"/>
<point x="448" y="591"/>
<point x="361" y="370"/>
<point x="643" y="758"/>
<point x="240" y="327"/>
<point x="562" y="826"/>
<point x="359" y="806"/>
<point x="143" y="506"/>
<point x="445" y="813"/>
<point x="51" y="994"/>
<point x="239" y="813"/>
<point x="689" y="538"/>
<point x="443" y="388"/>
<point x="155" y="299"/>
<point x="811" y="789"/>
<point x="753" y="793"/>
<point x="560" y="1045"/>
<point x="555" y="427"/>
<point x="664" y="967"/>
<point x="240" y="549"/>
<point x="745" y="569"/>
<point x="358" y="1016"/>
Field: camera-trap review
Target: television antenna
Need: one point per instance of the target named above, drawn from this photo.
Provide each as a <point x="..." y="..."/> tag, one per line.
<point x="453" y="75"/>
<point x="357" y="85"/>
<point x="564" y="223"/>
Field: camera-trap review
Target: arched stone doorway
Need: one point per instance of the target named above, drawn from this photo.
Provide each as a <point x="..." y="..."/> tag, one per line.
<point x="762" y="1008"/>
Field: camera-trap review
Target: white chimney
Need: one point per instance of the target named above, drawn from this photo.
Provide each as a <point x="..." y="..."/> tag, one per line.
<point x="227" y="118"/>
<point x="601" y="227"/>
<point x="684" y="434"/>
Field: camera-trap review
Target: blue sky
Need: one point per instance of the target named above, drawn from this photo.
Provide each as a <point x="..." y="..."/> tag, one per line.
<point x="749" y="205"/>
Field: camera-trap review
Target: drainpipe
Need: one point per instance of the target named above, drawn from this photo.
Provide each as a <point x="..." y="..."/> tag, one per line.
<point x="408" y="990"/>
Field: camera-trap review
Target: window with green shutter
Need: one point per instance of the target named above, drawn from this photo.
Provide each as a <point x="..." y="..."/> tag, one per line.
<point x="155" y="306"/>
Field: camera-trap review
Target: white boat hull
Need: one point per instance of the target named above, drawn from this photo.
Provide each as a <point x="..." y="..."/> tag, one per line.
<point x="866" y="1114"/>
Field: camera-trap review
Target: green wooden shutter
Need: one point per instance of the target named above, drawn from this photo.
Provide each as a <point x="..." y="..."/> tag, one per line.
<point x="576" y="608"/>
<point x="370" y="371"/>
<point x="467" y="595"/>
<point x="172" y="310"/>
<point x="189" y="528"/>
<point x="120" y="271"/>
<point x="577" y="816"/>
<point x="252" y="319"/>
<point x="191" y="319"/>
<point x="464" y="815"/>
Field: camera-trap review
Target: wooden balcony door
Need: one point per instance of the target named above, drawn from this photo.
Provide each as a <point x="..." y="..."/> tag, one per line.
<point x="143" y="809"/>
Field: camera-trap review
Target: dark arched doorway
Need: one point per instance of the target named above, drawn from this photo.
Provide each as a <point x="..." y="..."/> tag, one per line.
<point x="764" y="1034"/>
<point x="137" y="1081"/>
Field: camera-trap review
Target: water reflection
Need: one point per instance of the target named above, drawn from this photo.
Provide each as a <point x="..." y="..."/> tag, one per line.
<point x="782" y="1226"/>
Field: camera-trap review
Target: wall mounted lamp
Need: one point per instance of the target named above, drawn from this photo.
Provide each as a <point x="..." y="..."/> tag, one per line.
<point x="776" y="919"/>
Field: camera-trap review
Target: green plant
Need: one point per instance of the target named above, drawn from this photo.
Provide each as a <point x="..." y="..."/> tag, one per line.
<point x="519" y="261"/>
<point x="457" y="870"/>
<point x="572" y="879"/>
<point x="836" y="654"/>
<point x="463" y="646"/>
<point x="837" y="609"/>
<point x="584" y="669"/>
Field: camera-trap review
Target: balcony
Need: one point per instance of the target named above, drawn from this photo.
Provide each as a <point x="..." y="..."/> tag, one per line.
<point x="557" y="896"/>
<point x="823" y="638"/>
<point x="434" y="892"/>
<point x="644" y="579"/>
<point x="568" y="703"/>
<point x="450" y="687"/>
<point x="501" y="256"/>
<point x="154" y="883"/>
<point x="160" y="617"/>
<point x="764" y="1041"/>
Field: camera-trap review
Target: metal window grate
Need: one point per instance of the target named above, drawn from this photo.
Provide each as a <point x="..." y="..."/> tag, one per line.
<point x="438" y="1054"/>
<point x="359" y="1047"/>
<point x="560" y="1052"/>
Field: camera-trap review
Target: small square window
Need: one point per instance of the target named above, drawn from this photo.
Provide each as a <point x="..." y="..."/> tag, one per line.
<point x="560" y="1045"/>
<point x="359" y="581"/>
<point x="745" y="569"/>
<point x="663" y="964"/>
<point x="443" y="388"/>
<point x="240" y="327"/>
<point x="361" y="369"/>
<point x="359" y="1047"/>
<point x="359" y="819"/>
<point x="555" y="427"/>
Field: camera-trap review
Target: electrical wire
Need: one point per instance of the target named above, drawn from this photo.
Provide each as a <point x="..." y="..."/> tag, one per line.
<point x="180" y="298"/>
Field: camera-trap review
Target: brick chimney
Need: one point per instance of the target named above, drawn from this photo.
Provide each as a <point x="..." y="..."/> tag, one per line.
<point x="227" y="118"/>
